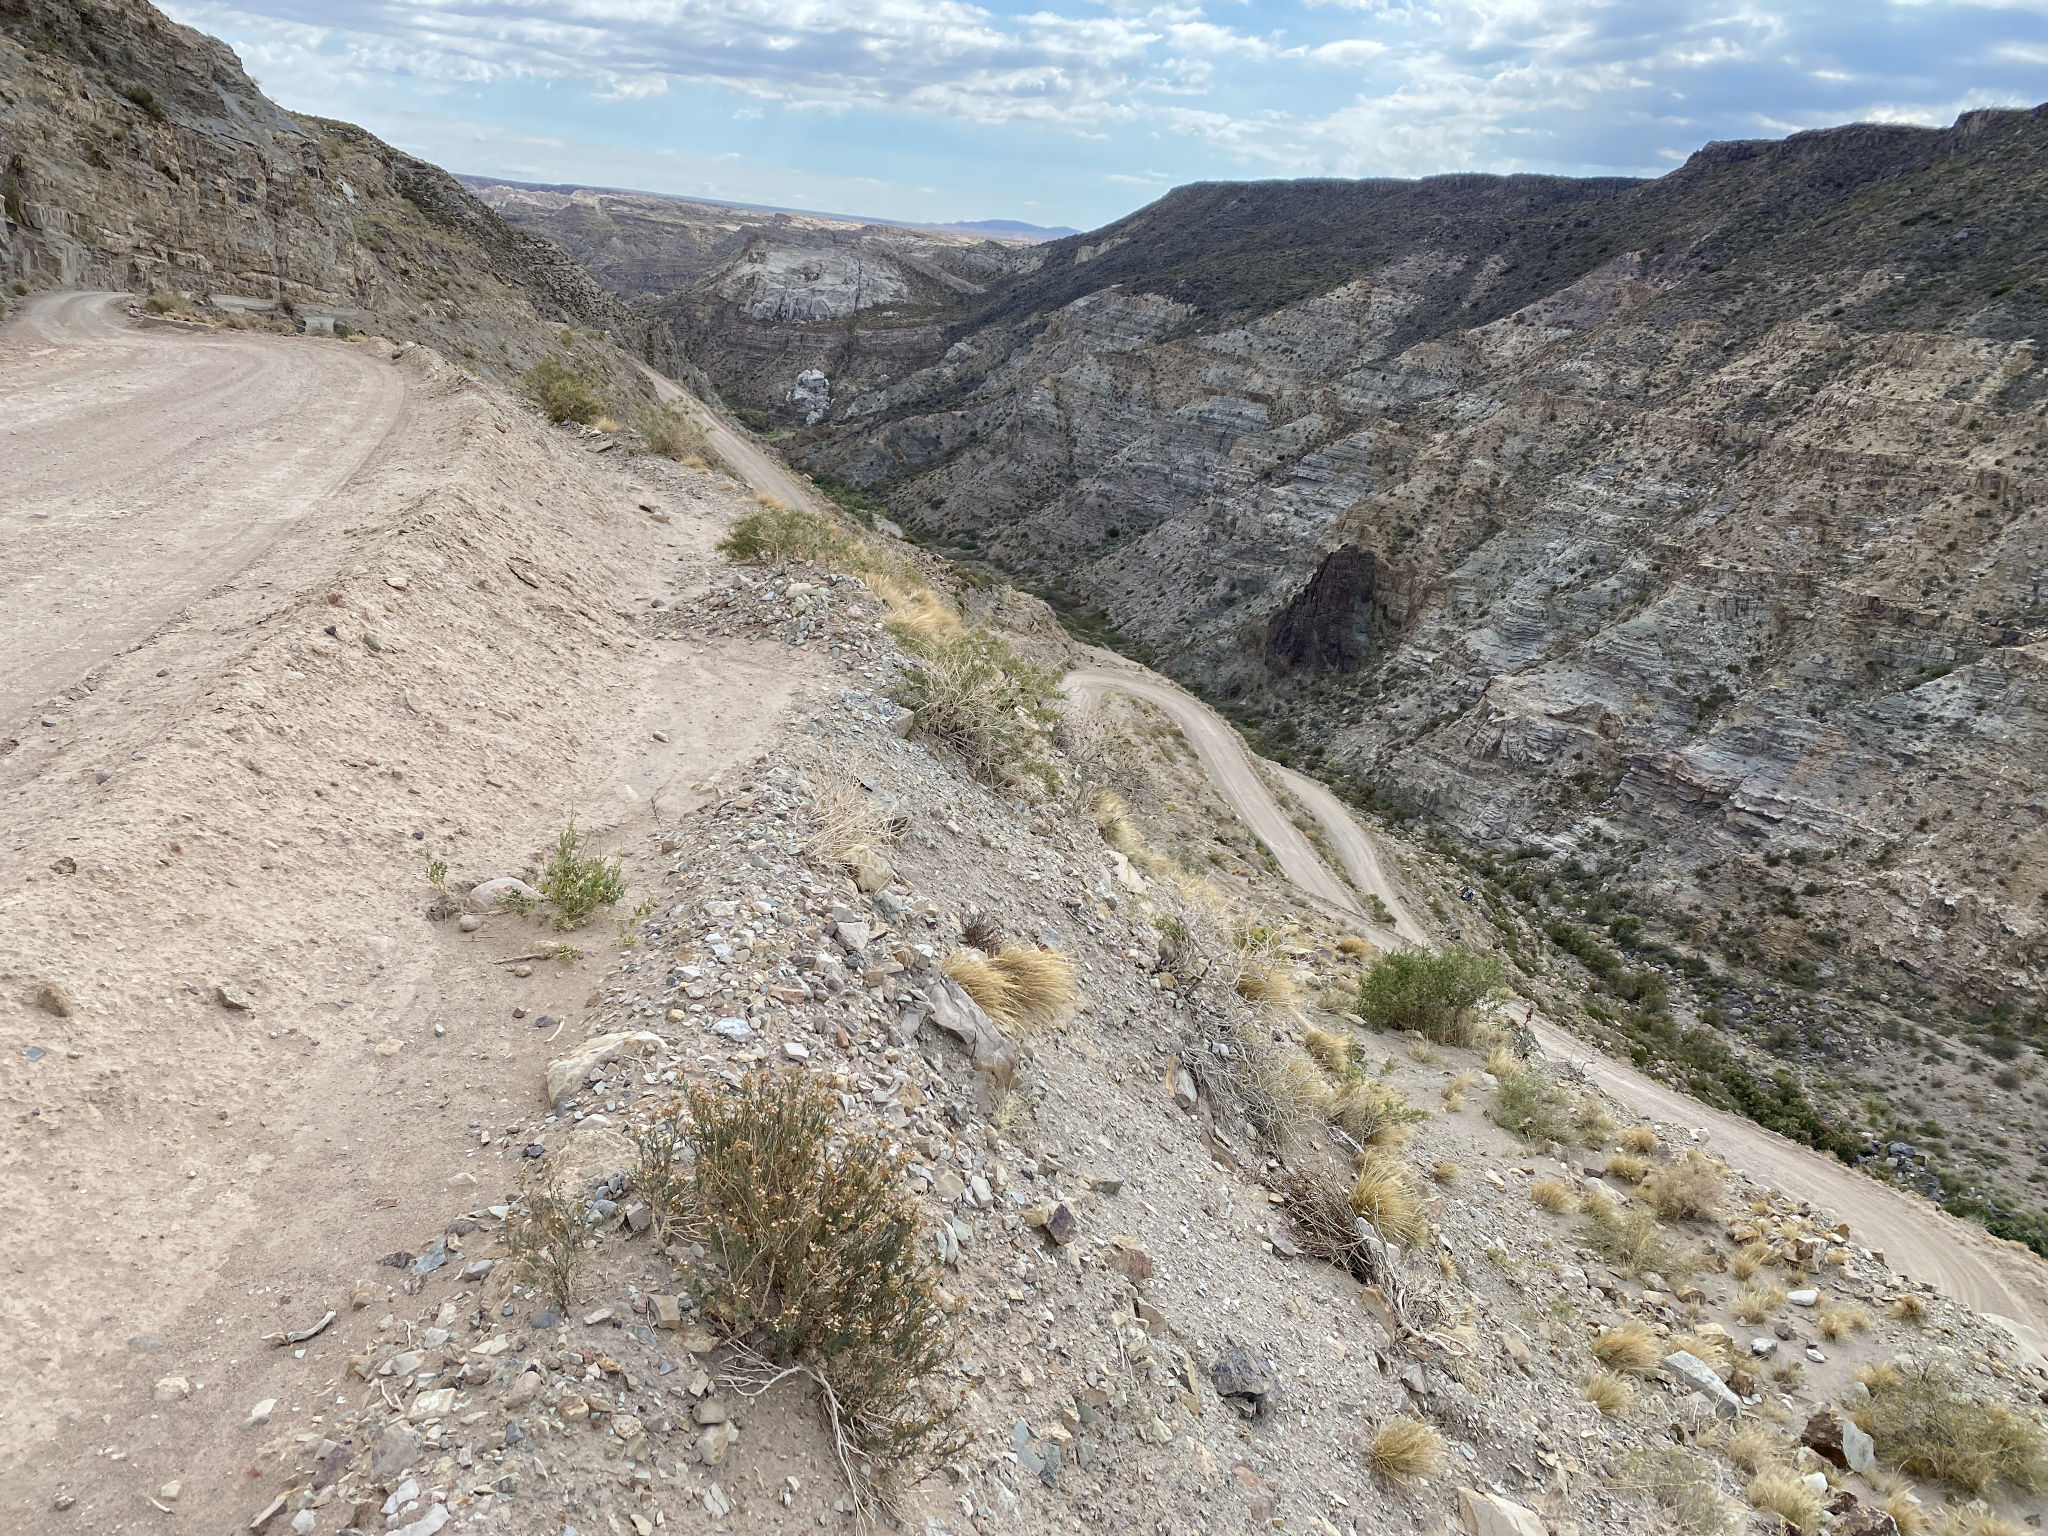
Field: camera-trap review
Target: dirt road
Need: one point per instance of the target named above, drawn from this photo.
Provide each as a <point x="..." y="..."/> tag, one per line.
<point x="1996" y="1279"/>
<point x="146" y="466"/>
<point x="758" y="469"/>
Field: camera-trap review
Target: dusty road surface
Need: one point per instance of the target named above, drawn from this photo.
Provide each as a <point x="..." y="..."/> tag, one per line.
<point x="299" y="614"/>
<point x="147" y="465"/>
<point x="1223" y="759"/>
<point x="1997" y="1279"/>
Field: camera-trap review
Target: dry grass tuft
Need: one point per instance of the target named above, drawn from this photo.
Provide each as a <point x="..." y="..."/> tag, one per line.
<point x="1020" y="988"/>
<point x="1634" y="1242"/>
<point x="1384" y="1196"/>
<point x="1748" y="1260"/>
<point x="1445" y="1173"/>
<point x="1689" y="1190"/>
<point x="1710" y="1347"/>
<point x="1640" y="1139"/>
<point x="1910" y="1308"/>
<point x="1332" y="1051"/>
<point x="1679" y="1480"/>
<point x="1455" y="1090"/>
<point x="1371" y="1113"/>
<point x="1596" y="1205"/>
<point x="1836" y="1320"/>
<point x="1270" y="984"/>
<point x="1357" y="948"/>
<point x="1403" y="1450"/>
<point x="1782" y="1492"/>
<point x="1979" y="1522"/>
<point x="1628" y="1166"/>
<point x="1756" y="1303"/>
<point x="1630" y="1349"/>
<point x="1610" y="1393"/>
<point x="1754" y="1447"/>
<point x="1553" y="1195"/>
<point x="853" y="830"/>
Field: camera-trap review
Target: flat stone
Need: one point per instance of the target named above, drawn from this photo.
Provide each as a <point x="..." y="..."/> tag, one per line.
<point x="435" y="1404"/>
<point x="397" y="1448"/>
<point x="667" y="1311"/>
<point x="1693" y="1372"/>
<point x="172" y="1389"/>
<point x="565" y="1074"/>
<point x="230" y="996"/>
<point x="1806" y="1298"/>
<point x="260" y="1414"/>
<point x="1488" y="1514"/>
<point x="948" y="1186"/>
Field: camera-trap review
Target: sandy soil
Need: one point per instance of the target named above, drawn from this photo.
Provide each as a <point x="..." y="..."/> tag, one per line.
<point x="1996" y="1278"/>
<point x="257" y="737"/>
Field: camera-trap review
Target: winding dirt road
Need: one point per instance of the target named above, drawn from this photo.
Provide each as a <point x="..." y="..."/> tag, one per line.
<point x="1998" y="1280"/>
<point x="147" y="466"/>
<point x="759" y="470"/>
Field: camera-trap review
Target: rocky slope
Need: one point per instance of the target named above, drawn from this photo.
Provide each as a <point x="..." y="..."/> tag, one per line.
<point x="759" y="299"/>
<point x="138" y="155"/>
<point x="1686" y="525"/>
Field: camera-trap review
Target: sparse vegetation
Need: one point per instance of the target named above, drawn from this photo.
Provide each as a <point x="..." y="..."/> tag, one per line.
<point x="815" y="1253"/>
<point x="1431" y="994"/>
<point x="1385" y="1197"/>
<point x="1910" y="1308"/>
<point x="1531" y="1104"/>
<point x="1630" y="1349"/>
<point x="777" y="533"/>
<point x="1680" y="1482"/>
<point x="1404" y="1449"/>
<point x="1781" y="1491"/>
<point x="1635" y="1243"/>
<point x="563" y="392"/>
<point x="1836" y="1320"/>
<point x="1610" y="1393"/>
<point x="580" y="878"/>
<point x="975" y="696"/>
<point x="1756" y="1303"/>
<point x="1754" y="1447"/>
<point x="1924" y="1424"/>
<point x="545" y="1234"/>
<point x="1627" y="1166"/>
<point x="1552" y="1194"/>
<point x="1690" y="1189"/>
<point x="1371" y="1113"/>
<point x="1020" y="987"/>
<point x="1640" y="1139"/>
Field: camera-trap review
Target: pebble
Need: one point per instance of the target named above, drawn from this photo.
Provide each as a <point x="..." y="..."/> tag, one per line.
<point x="261" y="1413"/>
<point x="469" y="922"/>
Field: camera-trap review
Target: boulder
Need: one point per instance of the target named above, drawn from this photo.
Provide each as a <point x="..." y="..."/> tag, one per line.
<point x="565" y="1074"/>
<point x="1488" y="1514"/>
<point x="1690" y="1370"/>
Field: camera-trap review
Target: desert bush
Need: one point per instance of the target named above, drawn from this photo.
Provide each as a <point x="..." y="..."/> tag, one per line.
<point x="974" y="695"/>
<point x="1635" y="1243"/>
<point x="1756" y="1303"/>
<point x="1610" y="1393"/>
<point x="980" y="930"/>
<point x="1020" y="987"/>
<point x="1630" y="1349"/>
<point x="778" y="533"/>
<point x="1430" y="994"/>
<point x="1680" y="1481"/>
<point x="1690" y="1189"/>
<point x="661" y="1170"/>
<point x="1553" y="1195"/>
<point x="1272" y="985"/>
<point x="1403" y="1450"/>
<point x="564" y="393"/>
<point x="544" y="1233"/>
<point x="815" y="1255"/>
<point x="1925" y="1425"/>
<point x="1531" y="1104"/>
<point x="1326" y="1227"/>
<point x="1783" y="1492"/>
<point x="579" y="878"/>
<point x="1355" y="947"/>
<point x="144" y="98"/>
<point x="1627" y="1166"/>
<point x="1640" y="1139"/>
<point x="1384" y="1196"/>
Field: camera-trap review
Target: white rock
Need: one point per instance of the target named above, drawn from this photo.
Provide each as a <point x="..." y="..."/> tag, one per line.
<point x="483" y="897"/>
<point x="1691" y="1371"/>
<point x="1805" y="1298"/>
<point x="261" y="1413"/>
<point x="172" y="1389"/>
<point x="1486" y="1514"/>
<point x="1858" y="1449"/>
<point x="796" y="1052"/>
<point x="437" y="1404"/>
<point x="566" y="1073"/>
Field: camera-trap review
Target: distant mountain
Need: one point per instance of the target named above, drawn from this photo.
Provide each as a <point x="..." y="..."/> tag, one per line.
<point x="980" y="229"/>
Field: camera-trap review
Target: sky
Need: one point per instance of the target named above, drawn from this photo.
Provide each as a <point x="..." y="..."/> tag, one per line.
<point x="1077" y="111"/>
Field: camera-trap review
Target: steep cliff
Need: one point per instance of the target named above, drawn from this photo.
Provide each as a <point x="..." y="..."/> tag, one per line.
<point x="1693" y="523"/>
<point x="137" y="154"/>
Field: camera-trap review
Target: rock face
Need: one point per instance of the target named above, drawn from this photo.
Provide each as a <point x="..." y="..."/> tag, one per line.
<point x="762" y="301"/>
<point x="136" y="154"/>
<point x="1695" y="517"/>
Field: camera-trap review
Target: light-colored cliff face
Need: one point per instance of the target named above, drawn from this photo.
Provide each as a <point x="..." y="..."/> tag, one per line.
<point x="757" y="299"/>
<point x="1688" y="564"/>
<point x="137" y="154"/>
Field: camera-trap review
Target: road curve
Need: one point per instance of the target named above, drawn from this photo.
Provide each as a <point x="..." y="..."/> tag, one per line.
<point x="145" y="466"/>
<point x="1997" y="1280"/>
<point x="759" y="470"/>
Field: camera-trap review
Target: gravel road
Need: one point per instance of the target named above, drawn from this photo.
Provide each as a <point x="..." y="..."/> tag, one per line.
<point x="1998" y="1280"/>
<point x="147" y="465"/>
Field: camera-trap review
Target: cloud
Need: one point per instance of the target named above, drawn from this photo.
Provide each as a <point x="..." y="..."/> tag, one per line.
<point x="1103" y="92"/>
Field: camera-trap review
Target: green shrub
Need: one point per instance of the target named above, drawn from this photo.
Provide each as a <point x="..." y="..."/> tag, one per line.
<point x="851" y="500"/>
<point x="1681" y="1482"/>
<point x="144" y="98"/>
<point x="1535" y="1108"/>
<point x="580" y="878"/>
<point x="814" y="1254"/>
<point x="973" y="694"/>
<point x="1923" y="1424"/>
<point x="1428" y="993"/>
<point x="1632" y="1240"/>
<point x="545" y="1234"/>
<point x="563" y="392"/>
<point x="775" y="534"/>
